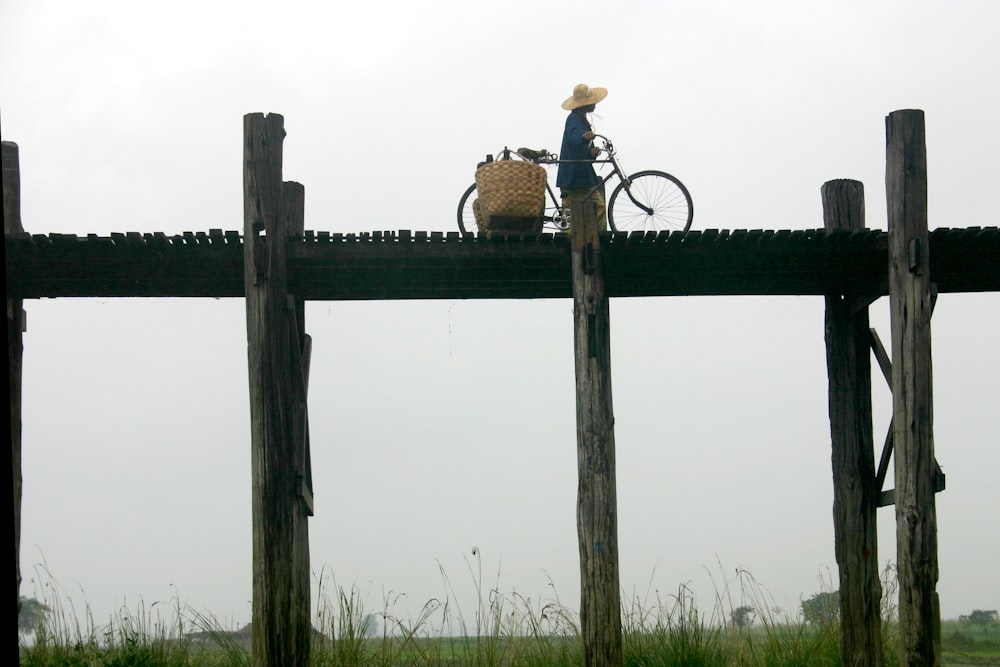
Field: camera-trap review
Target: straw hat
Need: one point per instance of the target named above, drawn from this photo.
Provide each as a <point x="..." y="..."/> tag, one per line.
<point x="584" y="95"/>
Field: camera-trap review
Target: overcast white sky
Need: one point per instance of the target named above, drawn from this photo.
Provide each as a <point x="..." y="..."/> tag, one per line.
<point x="442" y="426"/>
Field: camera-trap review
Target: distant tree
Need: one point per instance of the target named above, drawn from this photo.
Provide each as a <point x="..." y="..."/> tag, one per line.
<point x="369" y="625"/>
<point x="822" y="608"/>
<point x="742" y="617"/>
<point x="982" y="617"/>
<point x="32" y="613"/>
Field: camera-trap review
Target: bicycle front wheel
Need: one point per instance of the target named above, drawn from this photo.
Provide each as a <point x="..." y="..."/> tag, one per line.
<point x="466" y="214"/>
<point x="650" y="201"/>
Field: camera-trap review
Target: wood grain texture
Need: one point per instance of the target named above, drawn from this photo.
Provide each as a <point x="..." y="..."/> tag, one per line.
<point x="910" y="313"/>
<point x="597" y="503"/>
<point x="853" y="458"/>
<point x="281" y="629"/>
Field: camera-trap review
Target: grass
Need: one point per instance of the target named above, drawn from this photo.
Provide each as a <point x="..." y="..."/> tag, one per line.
<point x="506" y="629"/>
<point x="966" y="644"/>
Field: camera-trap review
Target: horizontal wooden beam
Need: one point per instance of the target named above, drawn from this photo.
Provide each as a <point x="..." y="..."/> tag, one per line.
<point x="888" y="497"/>
<point x="437" y="265"/>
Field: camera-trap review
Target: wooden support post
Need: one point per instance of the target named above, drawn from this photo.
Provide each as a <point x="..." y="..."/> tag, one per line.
<point x="854" y="494"/>
<point x="15" y="347"/>
<point x="597" y="504"/>
<point x="293" y="211"/>
<point x="910" y="305"/>
<point x="281" y="629"/>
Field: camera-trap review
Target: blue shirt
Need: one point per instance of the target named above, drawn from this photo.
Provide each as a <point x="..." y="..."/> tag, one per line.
<point x="575" y="147"/>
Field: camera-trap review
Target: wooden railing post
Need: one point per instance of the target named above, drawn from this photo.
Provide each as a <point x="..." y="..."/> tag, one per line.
<point x="281" y="629"/>
<point x="597" y="504"/>
<point x="15" y="348"/>
<point x="912" y="405"/>
<point x="855" y="496"/>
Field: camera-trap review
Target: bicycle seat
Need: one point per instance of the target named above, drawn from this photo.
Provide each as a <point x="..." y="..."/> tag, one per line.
<point x="533" y="155"/>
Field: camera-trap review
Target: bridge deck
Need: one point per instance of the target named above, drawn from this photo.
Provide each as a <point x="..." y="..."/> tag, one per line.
<point x="437" y="265"/>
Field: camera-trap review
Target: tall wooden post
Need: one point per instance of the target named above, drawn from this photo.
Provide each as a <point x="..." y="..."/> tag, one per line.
<point x="597" y="504"/>
<point x="15" y="347"/>
<point x="293" y="211"/>
<point x="910" y="305"/>
<point x="281" y="630"/>
<point x="855" y="496"/>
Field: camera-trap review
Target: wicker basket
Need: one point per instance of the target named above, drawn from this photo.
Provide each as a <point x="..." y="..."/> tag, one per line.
<point x="477" y="212"/>
<point x="510" y="189"/>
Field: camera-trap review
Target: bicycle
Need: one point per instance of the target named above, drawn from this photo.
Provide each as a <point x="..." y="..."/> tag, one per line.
<point x="647" y="200"/>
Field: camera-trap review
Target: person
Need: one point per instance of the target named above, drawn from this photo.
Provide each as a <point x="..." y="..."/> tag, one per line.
<point x="576" y="178"/>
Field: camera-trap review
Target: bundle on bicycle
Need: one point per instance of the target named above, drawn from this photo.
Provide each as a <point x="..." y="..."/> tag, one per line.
<point x="512" y="194"/>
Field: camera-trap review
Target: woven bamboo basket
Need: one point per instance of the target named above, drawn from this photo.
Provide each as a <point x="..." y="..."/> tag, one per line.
<point x="510" y="189"/>
<point x="477" y="212"/>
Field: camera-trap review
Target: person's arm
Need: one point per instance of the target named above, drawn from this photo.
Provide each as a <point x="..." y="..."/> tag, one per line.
<point x="586" y="136"/>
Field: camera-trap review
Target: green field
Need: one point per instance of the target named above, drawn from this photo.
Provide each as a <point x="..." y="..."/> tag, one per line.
<point x="965" y="644"/>
<point x="683" y="644"/>
<point x="507" y="630"/>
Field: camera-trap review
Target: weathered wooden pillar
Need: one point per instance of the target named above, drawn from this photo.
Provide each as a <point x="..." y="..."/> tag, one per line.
<point x="597" y="503"/>
<point x="912" y="405"/>
<point x="15" y="348"/>
<point x="855" y="496"/>
<point x="293" y="210"/>
<point x="281" y="629"/>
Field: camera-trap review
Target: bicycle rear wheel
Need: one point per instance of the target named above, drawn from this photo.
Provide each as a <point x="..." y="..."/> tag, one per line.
<point x="652" y="201"/>
<point x="466" y="216"/>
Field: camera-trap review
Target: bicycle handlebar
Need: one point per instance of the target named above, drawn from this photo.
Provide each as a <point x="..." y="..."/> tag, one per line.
<point x="608" y="147"/>
<point x="543" y="156"/>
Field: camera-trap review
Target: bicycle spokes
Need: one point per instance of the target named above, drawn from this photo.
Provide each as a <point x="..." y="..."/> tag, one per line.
<point x="641" y="200"/>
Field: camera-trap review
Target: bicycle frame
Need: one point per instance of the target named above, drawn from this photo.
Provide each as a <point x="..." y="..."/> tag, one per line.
<point x="648" y="200"/>
<point x="561" y="218"/>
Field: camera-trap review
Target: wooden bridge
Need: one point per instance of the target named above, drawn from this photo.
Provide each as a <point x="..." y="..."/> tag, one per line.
<point x="439" y="265"/>
<point x="276" y="266"/>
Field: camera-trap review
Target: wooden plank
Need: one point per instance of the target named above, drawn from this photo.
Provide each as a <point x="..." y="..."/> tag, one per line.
<point x="878" y="349"/>
<point x="157" y="240"/>
<point x="884" y="461"/>
<point x="597" y="504"/>
<point x="678" y="239"/>
<point x="278" y="612"/>
<point x="855" y="497"/>
<point x="912" y="408"/>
